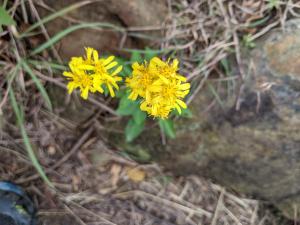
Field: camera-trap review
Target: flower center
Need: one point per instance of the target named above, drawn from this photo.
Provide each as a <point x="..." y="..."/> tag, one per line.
<point x="85" y="80"/>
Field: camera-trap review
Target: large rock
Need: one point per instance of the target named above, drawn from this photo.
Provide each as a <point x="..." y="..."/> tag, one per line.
<point x="121" y="13"/>
<point x="253" y="148"/>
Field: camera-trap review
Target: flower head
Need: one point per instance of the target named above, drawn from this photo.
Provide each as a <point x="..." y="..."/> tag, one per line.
<point x="91" y="74"/>
<point x="159" y="86"/>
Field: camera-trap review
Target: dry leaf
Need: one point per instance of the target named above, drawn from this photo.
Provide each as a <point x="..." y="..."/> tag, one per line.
<point x="115" y="173"/>
<point x="135" y="174"/>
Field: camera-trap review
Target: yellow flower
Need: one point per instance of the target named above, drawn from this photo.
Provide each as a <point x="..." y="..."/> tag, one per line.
<point x="159" y="86"/>
<point x="79" y="78"/>
<point x="140" y="81"/>
<point x="91" y="74"/>
<point x="102" y="69"/>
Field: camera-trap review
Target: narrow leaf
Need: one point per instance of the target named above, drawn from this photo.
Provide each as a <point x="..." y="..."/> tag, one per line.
<point x="55" y="15"/>
<point x="139" y="116"/>
<point x="5" y="18"/>
<point x="133" y="130"/>
<point x="167" y="127"/>
<point x="126" y="106"/>
<point x="26" y="140"/>
<point x="186" y="113"/>
<point x="150" y="53"/>
<point x="38" y="84"/>
<point x="65" y="32"/>
<point x="136" y="57"/>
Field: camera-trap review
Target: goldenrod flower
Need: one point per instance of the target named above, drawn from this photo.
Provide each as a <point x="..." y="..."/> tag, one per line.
<point x="159" y="86"/>
<point x="140" y="81"/>
<point x="91" y="74"/>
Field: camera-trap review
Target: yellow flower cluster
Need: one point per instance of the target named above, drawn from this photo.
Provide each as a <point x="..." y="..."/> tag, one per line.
<point x="159" y="85"/>
<point x="91" y="73"/>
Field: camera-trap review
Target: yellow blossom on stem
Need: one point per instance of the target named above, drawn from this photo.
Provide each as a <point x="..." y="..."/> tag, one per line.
<point x="159" y="86"/>
<point x="91" y="73"/>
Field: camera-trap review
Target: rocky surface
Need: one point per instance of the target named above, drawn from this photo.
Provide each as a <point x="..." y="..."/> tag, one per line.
<point x="124" y="14"/>
<point x="254" y="149"/>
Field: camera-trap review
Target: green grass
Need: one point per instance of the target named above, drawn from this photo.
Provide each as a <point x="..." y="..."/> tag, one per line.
<point x="20" y="121"/>
<point x="53" y="16"/>
<point x="38" y="84"/>
<point x="69" y="30"/>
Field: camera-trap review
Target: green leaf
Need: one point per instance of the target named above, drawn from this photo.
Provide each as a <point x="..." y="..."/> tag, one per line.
<point x="186" y="113"/>
<point x="44" y="64"/>
<point x="259" y="22"/>
<point x="139" y="116"/>
<point x="106" y="91"/>
<point x="126" y="71"/>
<point x="225" y="64"/>
<point x="5" y="18"/>
<point x="167" y="127"/>
<point x="38" y="84"/>
<point x="150" y="53"/>
<point x="136" y="57"/>
<point x="126" y="106"/>
<point x="133" y="130"/>
<point x="20" y="120"/>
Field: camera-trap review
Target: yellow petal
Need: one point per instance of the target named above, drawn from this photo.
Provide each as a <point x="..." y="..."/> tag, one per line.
<point x="85" y="93"/>
<point x="111" y="65"/>
<point x="185" y="86"/>
<point x="86" y="67"/>
<point x="68" y="74"/>
<point x="144" y="106"/>
<point x="118" y="70"/>
<point x="165" y="80"/>
<point x="178" y="109"/>
<point x="135" y="66"/>
<point x="71" y="87"/>
<point x="175" y="63"/>
<point x="155" y="88"/>
<point x="184" y="93"/>
<point x="181" y="78"/>
<point x="115" y="85"/>
<point x="133" y="96"/>
<point x="154" y="110"/>
<point x="99" y="88"/>
<point x="148" y="96"/>
<point x="181" y="103"/>
<point x="89" y="52"/>
<point x="157" y="61"/>
<point x="108" y="60"/>
<point x="95" y="55"/>
<point x="111" y="90"/>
